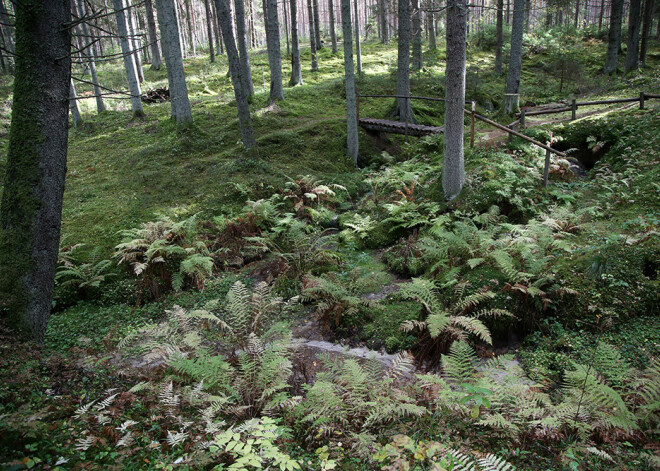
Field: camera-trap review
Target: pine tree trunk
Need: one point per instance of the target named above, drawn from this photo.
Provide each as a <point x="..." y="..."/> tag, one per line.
<point x="7" y="34"/>
<point x="600" y="15"/>
<point x="511" y="97"/>
<point x="286" y="28"/>
<point x="129" y="62"/>
<point x="433" y="42"/>
<point x="403" y="110"/>
<point x="74" y="106"/>
<point x="225" y="22"/>
<point x="176" y="76"/>
<point x="614" y="37"/>
<point x="134" y="41"/>
<point x="634" y="23"/>
<point x="189" y="22"/>
<point x="577" y="14"/>
<point x="312" y="36"/>
<point x="153" y="35"/>
<point x="351" y="103"/>
<point x="31" y="208"/>
<point x="499" y="37"/>
<point x="317" y="24"/>
<point x="383" y="21"/>
<point x="417" y="36"/>
<point x="89" y="53"/>
<point x="209" y="29"/>
<point x="453" y="169"/>
<point x="244" y="54"/>
<point x="646" y="31"/>
<point x="296" y="69"/>
<point x="333" y="34"/>
<point x="274" y="54"/>
<point x="358" y="49"/>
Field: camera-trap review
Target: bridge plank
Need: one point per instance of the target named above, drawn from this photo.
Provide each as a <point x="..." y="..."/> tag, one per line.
<point x="397" y="127"/>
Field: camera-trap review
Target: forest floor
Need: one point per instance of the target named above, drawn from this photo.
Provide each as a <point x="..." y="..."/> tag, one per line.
<point x="576" y="264"/>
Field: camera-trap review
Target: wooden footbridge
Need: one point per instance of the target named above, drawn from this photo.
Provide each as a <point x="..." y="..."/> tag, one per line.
<point x="397" y="127"/>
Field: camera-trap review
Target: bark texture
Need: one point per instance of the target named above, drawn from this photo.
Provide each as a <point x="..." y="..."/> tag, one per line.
<point x="634" y="24"/>
<point x="403" y="110"/>
<point x="317" y="24"/>
<point x="209" y="29"/>
<point x="129" y="63"/>
<point x="646" y="31"/>
<point x="358" y="50"/>
<point x="242" y="43"/>
<point x="614" y="37"/>
<point x="31" y="209"/>
<point x="274" y="53"/>
<point x="352" y="143"/>
<point x="176" y="75"/>
<point x="153" y="35"/>
<point x="453" y="169"/>
<point x="296" y="68"/>
<point x="499" y="36"/>
<point x="89" y="54"/>
<point x="312" y="38"/>
<point x="416" y="36"/>
<point x="74" y="106"/>
<point x="245" y="122"/>
<point x="333" y="34"/>
<point x="515" y="59"/>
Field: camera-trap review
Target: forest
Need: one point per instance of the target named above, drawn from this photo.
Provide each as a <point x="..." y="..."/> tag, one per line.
<point x="351" y="235"/>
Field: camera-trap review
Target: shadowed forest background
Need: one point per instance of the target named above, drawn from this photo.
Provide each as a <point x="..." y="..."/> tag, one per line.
<point x="248" y="276"/>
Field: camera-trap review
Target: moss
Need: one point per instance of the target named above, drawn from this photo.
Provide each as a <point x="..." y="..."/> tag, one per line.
<point x="383" y="330"/>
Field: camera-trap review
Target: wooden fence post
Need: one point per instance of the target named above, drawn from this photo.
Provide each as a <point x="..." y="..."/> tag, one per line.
<point x="641" y="100"/>
<point x="357" y="107"/>
<point x="472" y="125"/>
<point x="522" y="119"/>
<point x="408" y="107"/>
<point x="546" y="168"/>
<point x="573" y="109"/>
<point x="510" y="138"/>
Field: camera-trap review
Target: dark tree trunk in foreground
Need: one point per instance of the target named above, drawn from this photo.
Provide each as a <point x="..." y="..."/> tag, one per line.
<point x="614" y="37"/>
<point x="129" y="62"/>
<point x="499" y="36"/>
<point x="646" y="31"/>
<point x="153" y="35"/>
<point x="274" y="53"/>
<point x="511" y="97"/>
<point x="176" y="75"/>
<point x="634" y="23"/>
<point x="312" y="39"/>
<point x="31" y="210"/>
<point x="243" y="52"/>
<point x="245" y="122"/>
<point x="333" y="34"/>
<point x="296" y="68"/>
<point x="403" y="110"/>
<point x="351" y="103"/>
<point x="453" y="169"/>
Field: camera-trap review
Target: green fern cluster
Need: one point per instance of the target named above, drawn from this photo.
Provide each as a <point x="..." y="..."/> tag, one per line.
<point x="82" y="273"/>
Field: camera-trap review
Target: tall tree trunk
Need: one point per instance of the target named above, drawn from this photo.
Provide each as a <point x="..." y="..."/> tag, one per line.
<point x="153" y="35"/>
<point x="189" y="21"/>
<point x="634" y="23"/>
<point x="416" y="35"/>
<point x="499" y="37"/>
<point x="176" y="76"/>
<point x="286" y="28"/>
<point x="614" y="37"/>
<point x="89" y="54"/>
<point x="274" y="54"/>
<point x="312" y="36"/>
<point x="403" y="109"/>
<point x="528" y="11"/>
<point x="358" y="49"/>
<point x="511" y="98"/>
<point x="646" y="31"/>
<point x="453" y="169"/>
<point x="577" y="14"/>
<point x="242" y="42"/>
<point x="296" y="69"/>
<point x="352" y="143"/>
<point x="209" y="29"/>
<point x="245" y="122"/>
<point x="333" y="34"/>
<point x="600" y="15"/>
<point x="317" y="24"/>
<point x="134" y="41"/>
<point x="31" y="208"/>
<point x="382" y="15"/>
<point x="129" y="62"/>
<point x="7" y="34"/>
<point x="433" y="42"/>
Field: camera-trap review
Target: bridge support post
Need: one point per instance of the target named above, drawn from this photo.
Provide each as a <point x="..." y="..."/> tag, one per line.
<point x="472" y="124"/>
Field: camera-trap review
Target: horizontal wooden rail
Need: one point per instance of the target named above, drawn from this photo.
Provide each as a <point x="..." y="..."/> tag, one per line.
<point x="413" y="97"/>
<point x="576" y="104"/>
<point x="516" y="133"/>
<point x="606" y="102"/>
<point x="548" y="111"/>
